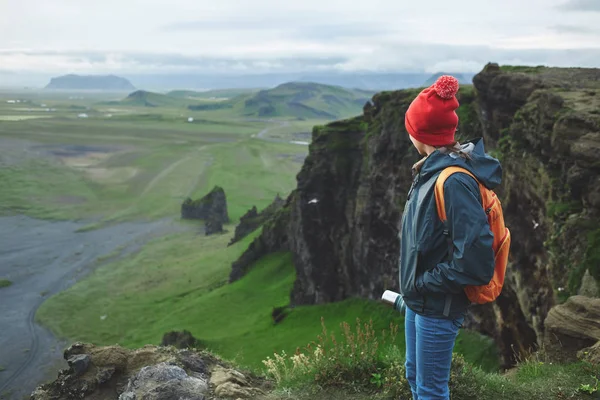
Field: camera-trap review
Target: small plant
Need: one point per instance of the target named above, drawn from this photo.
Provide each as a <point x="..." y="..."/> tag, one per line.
<point x="463" y="383"/>
<point x="376" y="379"/>
<point x="5" y="283"/>
<point x="394" y="380"/>
<point x="589" y="389"/>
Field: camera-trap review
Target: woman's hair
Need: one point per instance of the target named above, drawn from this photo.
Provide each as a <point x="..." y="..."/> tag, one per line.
<point x="455" y="148"/>
<point x="447" y="149"/>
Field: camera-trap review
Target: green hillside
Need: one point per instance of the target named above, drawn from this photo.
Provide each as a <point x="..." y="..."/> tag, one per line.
<point x="306" y="100"/>
<point x="225" y="317"/>
<point x="142" y="98"/>
<point x="217" y="94"/>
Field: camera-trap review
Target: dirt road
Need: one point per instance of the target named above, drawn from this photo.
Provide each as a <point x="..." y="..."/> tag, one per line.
<point x="42" y="258"/>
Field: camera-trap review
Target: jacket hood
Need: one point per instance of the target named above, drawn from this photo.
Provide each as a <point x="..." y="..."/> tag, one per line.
<point x="486" y="168"/>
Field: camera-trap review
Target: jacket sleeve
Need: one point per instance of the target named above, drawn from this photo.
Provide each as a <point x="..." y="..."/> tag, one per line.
<point x="473" y="258"/>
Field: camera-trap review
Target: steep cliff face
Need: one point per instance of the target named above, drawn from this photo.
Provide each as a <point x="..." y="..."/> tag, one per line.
<point x="545" y="126"/>
<point x="341" y="223"/>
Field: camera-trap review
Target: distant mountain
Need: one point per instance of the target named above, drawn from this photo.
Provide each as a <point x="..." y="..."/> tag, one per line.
<point x="465" y="79"/>
<point x="143" y="98"/>
<point x="198" y="101"/>
<point x="367" y="80"/>
<point x="292" y="99"/>
<point x="211" y="94"/>
<point x="90" y="82"/>
<point x="306" y="100"/>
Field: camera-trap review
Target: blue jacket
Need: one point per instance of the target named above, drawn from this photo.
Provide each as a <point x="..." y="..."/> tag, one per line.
<point x="430" y="282"/>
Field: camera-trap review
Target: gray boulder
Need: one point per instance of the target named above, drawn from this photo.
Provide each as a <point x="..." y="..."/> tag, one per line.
<point x="79" y="363"/>
<point x="164" y="382"/>
<point x="572" y="326"/>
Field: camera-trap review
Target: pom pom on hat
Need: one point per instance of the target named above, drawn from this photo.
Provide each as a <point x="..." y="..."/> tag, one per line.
<point x="446" y="86"/>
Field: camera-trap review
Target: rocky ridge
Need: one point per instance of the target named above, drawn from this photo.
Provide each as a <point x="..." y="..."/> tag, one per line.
<point x="253" y="219"/>
<point x="151" y="372"/>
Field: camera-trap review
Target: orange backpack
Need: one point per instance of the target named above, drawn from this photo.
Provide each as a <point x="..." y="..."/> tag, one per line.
<point x="501" y="245"/>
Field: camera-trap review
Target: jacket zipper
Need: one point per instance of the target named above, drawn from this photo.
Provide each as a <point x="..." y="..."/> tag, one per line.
<point x="414" y="184"/>
<point x="410" y="191"/>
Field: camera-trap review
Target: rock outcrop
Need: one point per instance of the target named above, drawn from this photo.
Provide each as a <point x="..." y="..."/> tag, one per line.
<point x="590" y="354"/>
<point x="274" y="237"/>
<point x="164" y="381"/>
<point x="180" y="340"/>
<point x="341" y="223"/>
<point x="573" y="327"/>
<point x="211" y="208"/>
<point x="153" y="373"/>
<point x="253" y="219"/>
<point x="589" y="286"/>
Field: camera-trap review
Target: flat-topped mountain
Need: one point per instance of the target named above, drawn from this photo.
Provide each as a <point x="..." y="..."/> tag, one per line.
<point x="90" y="82"/>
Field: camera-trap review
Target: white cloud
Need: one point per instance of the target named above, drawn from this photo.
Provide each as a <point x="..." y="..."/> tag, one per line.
<point x="179" y="35"/>
<point x="581" y="5"/>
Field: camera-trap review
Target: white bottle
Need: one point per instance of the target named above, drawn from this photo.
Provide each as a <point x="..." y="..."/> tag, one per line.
<point x="394" y="299"/>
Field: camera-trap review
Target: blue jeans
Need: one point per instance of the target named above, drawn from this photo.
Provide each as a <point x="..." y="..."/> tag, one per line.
<point x="429" y="345"/>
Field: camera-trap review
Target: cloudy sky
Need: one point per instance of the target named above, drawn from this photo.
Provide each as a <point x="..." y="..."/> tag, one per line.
<point x="241" y="36"/>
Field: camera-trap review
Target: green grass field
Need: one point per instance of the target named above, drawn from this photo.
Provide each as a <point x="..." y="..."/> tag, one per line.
<point x="167" y="286"/>
<point x="136" y="164"/>
<point x="150" y="182"/>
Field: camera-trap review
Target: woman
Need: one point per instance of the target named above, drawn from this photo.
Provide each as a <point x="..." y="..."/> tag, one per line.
<point x="432" y="277"/>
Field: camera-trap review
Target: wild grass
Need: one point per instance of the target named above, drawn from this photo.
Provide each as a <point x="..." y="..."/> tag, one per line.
<point x="363" y="365"/>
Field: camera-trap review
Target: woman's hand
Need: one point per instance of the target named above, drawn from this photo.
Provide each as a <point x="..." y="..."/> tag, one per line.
<point x="400" y="305"/>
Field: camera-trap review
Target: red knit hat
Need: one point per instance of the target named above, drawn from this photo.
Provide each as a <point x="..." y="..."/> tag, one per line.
<point x="431" y="118"/>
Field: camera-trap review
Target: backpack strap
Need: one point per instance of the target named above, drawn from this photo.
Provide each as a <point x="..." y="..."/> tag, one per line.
<point x="441" y="203"/>
<point x="441" y="210"/>
<point x="439" y="188"/>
